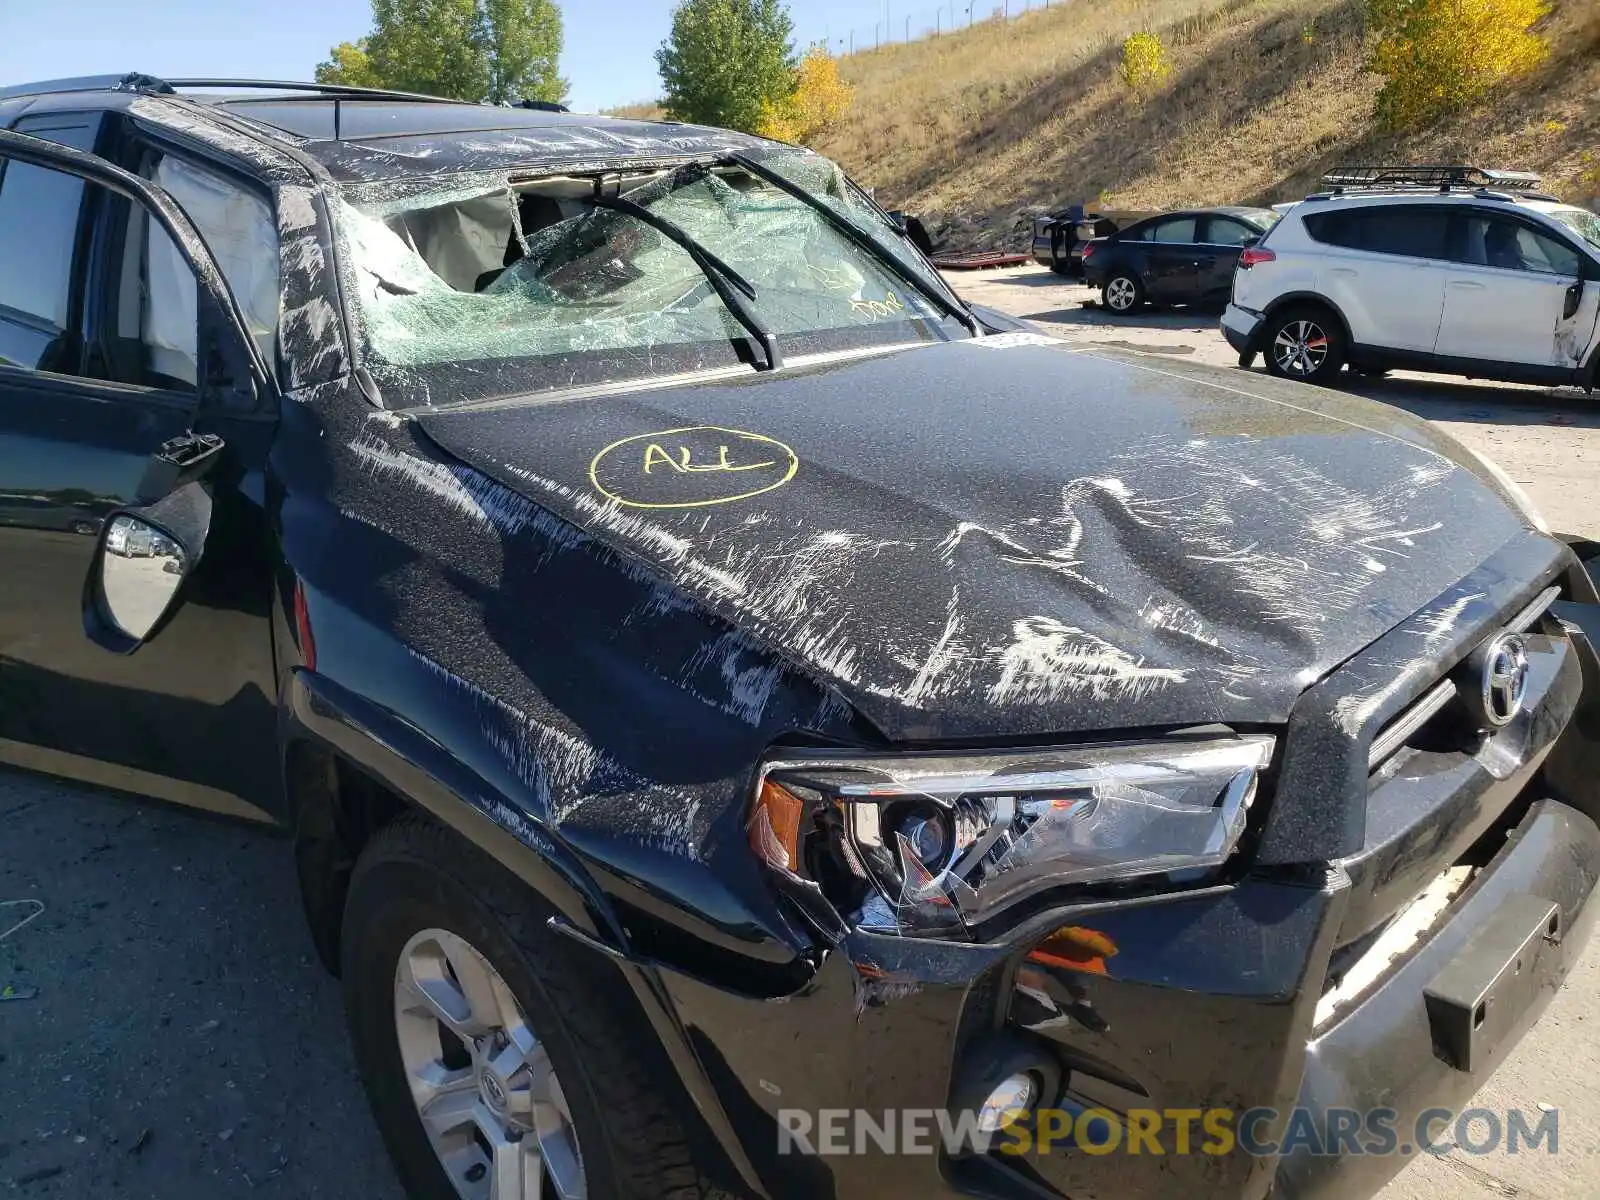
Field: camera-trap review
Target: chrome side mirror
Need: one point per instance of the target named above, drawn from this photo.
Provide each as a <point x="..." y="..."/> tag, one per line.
<point x="141" y="569"/>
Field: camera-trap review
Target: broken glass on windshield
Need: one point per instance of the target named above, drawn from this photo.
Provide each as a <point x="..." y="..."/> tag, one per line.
<point x="535" y="272"/>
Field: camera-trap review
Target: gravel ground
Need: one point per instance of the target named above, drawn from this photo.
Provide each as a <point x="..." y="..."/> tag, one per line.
<point x="181" y="1044"/>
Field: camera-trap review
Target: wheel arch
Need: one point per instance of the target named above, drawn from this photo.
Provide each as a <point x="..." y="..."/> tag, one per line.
<point x="350" y="767"/>
<point x="1289" y="299"/>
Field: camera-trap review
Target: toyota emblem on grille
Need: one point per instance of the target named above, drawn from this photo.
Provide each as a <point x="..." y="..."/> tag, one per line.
<point x="1505" y="678"/>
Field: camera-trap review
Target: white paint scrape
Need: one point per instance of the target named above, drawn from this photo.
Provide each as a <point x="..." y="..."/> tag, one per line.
<point x="1048" y="661"/>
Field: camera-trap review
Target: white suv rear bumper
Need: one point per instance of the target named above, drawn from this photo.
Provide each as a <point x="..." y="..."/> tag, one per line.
<point x="1239" y="326"/>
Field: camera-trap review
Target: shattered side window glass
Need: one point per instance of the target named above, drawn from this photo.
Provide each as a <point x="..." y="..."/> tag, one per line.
<point x="535" y="275"/>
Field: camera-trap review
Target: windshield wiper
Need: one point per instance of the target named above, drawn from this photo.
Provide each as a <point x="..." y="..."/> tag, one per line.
<point x="732" y="288"/>
<point x="861" y="238"/>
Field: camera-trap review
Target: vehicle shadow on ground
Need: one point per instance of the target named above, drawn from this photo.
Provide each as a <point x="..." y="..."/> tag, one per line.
<point x="178" y="1040"/>
<point x="1481" y="402"/>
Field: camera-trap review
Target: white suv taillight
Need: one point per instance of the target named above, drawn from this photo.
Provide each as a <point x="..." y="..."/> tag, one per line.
<point x="1255" y="254"/>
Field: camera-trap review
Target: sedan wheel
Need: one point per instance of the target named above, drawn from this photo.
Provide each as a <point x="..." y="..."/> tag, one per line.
<point x="1122" y="293"/>
<point x="489" y="1099"/>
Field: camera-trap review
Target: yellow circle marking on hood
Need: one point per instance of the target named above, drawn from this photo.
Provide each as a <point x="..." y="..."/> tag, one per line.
<point x="691" y="467"/>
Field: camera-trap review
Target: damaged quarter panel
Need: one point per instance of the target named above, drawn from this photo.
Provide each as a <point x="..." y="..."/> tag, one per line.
<point x="980" y="541"/>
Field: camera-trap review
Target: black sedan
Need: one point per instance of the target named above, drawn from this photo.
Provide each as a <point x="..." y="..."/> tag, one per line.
<point x="1175" y="258"/>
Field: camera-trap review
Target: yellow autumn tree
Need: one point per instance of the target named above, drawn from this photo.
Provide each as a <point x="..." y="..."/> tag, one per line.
<point x="1144" y="65"/>
<point x="1438" y="55"/>
<point x="819" y="101"/>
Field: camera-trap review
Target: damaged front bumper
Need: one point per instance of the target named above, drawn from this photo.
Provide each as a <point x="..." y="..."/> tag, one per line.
<point x="1220" y="1000"/>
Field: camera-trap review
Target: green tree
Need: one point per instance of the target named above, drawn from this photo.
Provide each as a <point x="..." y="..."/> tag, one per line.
<point x="522" y="42"/>
<point x="500" y="51"/>
<point x="349" y="64"/>
<point x="726" y="59"/>
<point x="429" y="46"/>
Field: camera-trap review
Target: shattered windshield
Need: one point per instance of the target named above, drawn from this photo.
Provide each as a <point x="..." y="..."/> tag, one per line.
<point x="521" y="287"/>
<point x="1583" y="223"/>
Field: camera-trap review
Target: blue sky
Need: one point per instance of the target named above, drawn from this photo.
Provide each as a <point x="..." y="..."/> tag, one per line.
<point x="609" y="54"/>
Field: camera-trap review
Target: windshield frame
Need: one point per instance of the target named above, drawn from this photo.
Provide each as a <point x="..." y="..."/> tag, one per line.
<point x="471" y="381"/>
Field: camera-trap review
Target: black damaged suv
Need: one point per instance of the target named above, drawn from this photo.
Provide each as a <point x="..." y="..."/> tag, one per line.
<point x="714" y="678"/>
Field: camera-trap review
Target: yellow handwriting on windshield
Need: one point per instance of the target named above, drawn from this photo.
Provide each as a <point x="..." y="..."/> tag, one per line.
<point x="873" y="311"/>
<point x="655" y="456"/>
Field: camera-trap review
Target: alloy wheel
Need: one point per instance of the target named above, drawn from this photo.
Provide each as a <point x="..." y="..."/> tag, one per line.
<point x="1121" y="294"/>
<point x="483" y="1084"/>
<point x="1300" y="348"/>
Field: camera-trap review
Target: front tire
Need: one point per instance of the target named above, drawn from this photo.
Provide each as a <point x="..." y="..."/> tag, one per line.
<point x="1305" y="342"/>
<point x="466" y="1016"/>
<point x="1123" y="293"/>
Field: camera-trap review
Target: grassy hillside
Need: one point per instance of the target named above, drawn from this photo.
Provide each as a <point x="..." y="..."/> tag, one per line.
<point x="1264" y="95"/>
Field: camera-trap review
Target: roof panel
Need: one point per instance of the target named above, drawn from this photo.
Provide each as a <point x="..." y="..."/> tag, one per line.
<point x="585" y="143"/>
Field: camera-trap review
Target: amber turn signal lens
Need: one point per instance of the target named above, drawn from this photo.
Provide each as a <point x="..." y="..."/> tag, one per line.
<point x="775" y="827"/>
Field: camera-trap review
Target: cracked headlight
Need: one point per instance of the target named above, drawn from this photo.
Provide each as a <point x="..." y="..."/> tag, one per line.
<point x="934" y="843"/>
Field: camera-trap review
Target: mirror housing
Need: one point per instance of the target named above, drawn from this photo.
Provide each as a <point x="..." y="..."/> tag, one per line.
<point x="1573" y="302"/>
<point x="147" y="551"/>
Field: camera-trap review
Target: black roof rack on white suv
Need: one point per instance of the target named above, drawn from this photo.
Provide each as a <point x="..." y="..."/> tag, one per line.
<point x="1437" y="175"/>
<point x="1440" y="177"/>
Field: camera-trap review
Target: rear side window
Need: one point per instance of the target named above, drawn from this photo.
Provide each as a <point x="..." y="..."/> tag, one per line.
<point x="40" y="216"/>
<point x="1410" y="231"/>
<point x="1495" y="241"/>
<point x="1176" y="229"/>
<point x="1225" y="231"/>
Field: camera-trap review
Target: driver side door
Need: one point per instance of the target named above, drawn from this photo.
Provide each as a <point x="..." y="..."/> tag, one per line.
<point x="117" y="336"/>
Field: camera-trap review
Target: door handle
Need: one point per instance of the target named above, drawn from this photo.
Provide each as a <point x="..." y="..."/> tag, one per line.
<point x="1467" y="285"/>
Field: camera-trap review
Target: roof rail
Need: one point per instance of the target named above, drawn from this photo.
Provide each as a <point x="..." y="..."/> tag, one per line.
<point x="135" y="81"/>
<point x="131" y="81"/>
<point x="1442" y="176"/>
<point x="339" y="90"/>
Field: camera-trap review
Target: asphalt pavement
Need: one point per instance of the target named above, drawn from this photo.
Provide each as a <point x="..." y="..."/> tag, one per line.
<point x="165" y="1033"/>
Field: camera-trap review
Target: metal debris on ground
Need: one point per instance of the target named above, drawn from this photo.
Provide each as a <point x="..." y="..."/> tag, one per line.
<point x="37" y="908"/>
<point x="979" y="261"/>
<point x="9" y="924"/>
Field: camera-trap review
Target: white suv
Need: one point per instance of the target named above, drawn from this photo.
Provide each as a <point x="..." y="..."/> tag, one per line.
<point x="1453" y="269"/>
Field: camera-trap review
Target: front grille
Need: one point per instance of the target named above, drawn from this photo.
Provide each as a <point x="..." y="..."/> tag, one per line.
<point x="1434" y="721"/>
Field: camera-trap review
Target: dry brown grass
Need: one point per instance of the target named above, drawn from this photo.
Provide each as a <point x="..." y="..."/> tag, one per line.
<point x="645" y="110"/>
<point x="1264" y="95"/>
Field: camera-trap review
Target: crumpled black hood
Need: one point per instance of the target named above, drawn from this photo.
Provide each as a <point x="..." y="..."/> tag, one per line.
<point x="1005" y="538"/>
